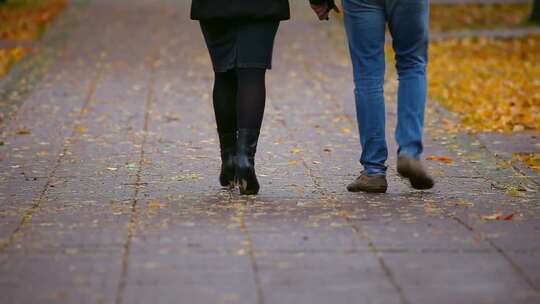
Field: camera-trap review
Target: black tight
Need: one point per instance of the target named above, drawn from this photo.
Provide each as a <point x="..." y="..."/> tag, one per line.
<point x="239" y="99"/>
<point x="225" y="101"/>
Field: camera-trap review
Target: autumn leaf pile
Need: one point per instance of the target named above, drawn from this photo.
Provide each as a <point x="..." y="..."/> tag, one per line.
<point x="476" y="16"/>
<point x="493" y="84"/>
<point x="532" y="160"/>
<point x="8" y="57"/>
<point x="24" y="20"/>
<point x="457" y="17"/>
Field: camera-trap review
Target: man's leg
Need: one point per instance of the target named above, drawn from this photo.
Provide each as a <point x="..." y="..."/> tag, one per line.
<point x="365" y="26"/>
<point x="408" y="21"/>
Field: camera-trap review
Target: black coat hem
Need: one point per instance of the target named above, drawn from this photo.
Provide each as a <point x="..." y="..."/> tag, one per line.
<point x="240" y="10"/>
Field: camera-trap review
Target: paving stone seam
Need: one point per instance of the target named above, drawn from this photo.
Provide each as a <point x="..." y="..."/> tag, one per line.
<point x="27" y="71"/>
<point x="517" y="269"/>
<point x="373" y="249"/>
<point x="134" y="210"/>
<point x="334" y="201"/>
<point x="73" y="136"/>
<point x="517" y="168"/>
<point x="443" y="113"/>
<point x="251" y="253"/>
<point x="361" y="234"/>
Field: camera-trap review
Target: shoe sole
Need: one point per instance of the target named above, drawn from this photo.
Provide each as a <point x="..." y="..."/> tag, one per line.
<point x="368" y="190"/>
<point x="229" y="186"/>
<point x="372" y="190"/>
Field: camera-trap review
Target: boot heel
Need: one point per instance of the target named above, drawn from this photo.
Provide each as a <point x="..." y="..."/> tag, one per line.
<point x="246" y="147"/>
<point x="227" y="177"/>
<point x="227" y="142"/>
<point x="228" y="183"/>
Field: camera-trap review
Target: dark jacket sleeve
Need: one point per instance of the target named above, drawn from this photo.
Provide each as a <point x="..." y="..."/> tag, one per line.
<point x="331" y="3"/>
<point x="240" y="10"/>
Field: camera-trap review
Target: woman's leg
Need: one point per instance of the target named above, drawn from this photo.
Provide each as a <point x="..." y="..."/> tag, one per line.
<point x="250" y="103"/>
<point x="225" y="110"/>
<point x="250" y="98"/>
<point x="255" y="42"/>
<point x="225" y="91"/>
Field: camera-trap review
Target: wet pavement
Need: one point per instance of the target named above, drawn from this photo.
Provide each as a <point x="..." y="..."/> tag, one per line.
<point x="109" y="190"/>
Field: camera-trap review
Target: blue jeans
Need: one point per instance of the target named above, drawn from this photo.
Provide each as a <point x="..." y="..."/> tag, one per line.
<point x="408" y="21"/>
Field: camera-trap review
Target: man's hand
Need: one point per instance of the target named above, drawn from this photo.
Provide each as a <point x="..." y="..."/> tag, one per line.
<point x="323" y="11"/>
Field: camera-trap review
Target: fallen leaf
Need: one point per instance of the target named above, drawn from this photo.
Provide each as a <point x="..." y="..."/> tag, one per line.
<point x="23" y="131"/>
<point x="462" y="16"/>
<point x="187" y="177"/>
<point x="71" y="251"/>
<point x="56" y="182"/>
<point x="509" y="217"/>
<point x="131" y="166"/>
<point x="81" y="129"/>
<point x="443" y="159"/>
<point x="532" y="160"/>
<point x="150" y="265"/>
<point x="171" y="117"/>
<point x="42" y="153"/>
<point x="461" y="202"/>
<point x="491" y="217"/>
<point x="156" y="204"/>
<point x="516" y="191"/>
<point x="283" y="265"/>
<point x="498" y="217"/>
<point x="490" y="83"/>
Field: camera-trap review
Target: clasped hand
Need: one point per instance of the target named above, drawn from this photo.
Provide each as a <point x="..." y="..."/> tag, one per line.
<point x="323" y="10"/>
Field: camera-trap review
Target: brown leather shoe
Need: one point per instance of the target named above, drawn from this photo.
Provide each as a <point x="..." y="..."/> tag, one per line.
<point x="369" y="183"/>
<point x="412" y="169"/>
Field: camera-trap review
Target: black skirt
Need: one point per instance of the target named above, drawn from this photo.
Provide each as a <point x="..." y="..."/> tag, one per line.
<point x="244" y="44"/>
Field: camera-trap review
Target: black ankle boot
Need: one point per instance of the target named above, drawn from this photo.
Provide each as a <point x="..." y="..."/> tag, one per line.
<point x="246" y="146"/>
<point x="227" y="143"/>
